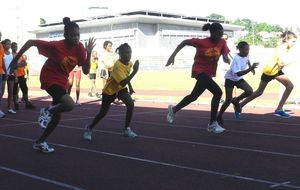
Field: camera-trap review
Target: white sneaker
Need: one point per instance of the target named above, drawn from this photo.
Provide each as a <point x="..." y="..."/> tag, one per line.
<point x="171" y="114"/>
<point x="77" y="103"/>
<point x="215" y="127"/>
<point x="11" y="111"/>
<point x="2" y="114"/>
<point x="87" y="135"/>
<point x="43" y="146"/>
<point x="44" y="118"/>
<point x="127" y="132"/>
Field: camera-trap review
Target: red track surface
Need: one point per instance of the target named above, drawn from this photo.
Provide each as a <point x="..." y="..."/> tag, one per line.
<point x="258" y="152"/>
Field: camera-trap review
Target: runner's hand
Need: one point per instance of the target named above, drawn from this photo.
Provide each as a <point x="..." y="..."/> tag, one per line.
<point x="89" y="46"/>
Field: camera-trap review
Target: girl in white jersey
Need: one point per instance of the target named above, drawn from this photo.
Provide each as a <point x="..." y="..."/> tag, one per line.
<point x="240" y="66"/>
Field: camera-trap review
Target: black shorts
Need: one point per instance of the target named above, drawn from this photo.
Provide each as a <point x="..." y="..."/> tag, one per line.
<point x="6" y="77"/>
<point x="267" y="78"/>
<point x="231" y="84"/>
<point x="92" y="76"/>
<point x="103" y="73"/>
<point x="56" y="92"/>
<point x="111" y="98"/>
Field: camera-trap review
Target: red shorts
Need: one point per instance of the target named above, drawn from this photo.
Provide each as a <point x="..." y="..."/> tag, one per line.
<point x="77" y="74"/>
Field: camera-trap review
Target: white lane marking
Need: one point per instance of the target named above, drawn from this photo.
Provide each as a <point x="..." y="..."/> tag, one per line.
<point x="221" y="174"/>
<point x="58" y="183"/>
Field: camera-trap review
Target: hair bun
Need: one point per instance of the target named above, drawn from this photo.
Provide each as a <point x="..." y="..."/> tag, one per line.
<point x="66" y="20"/>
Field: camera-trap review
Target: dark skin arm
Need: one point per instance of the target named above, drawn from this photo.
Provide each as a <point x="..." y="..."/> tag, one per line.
<point x="89" y="46"/>
<point x="25" y="47"/>
<point x="251" y="68"/>
<point x="178" y="48"/>
<point x="131" y="91"/>
<point x="226" y="59"/>
<point x="128" y="79"/>
<point x="182" y="45"/>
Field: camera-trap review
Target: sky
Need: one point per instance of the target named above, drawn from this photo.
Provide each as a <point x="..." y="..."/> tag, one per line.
<point x="24" y="15"/>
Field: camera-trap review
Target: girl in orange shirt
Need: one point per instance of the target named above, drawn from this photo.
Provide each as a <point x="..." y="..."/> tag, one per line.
<point x="21" y="82"/>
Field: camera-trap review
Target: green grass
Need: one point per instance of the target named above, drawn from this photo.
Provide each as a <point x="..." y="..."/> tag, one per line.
<point x="177" y="79"/>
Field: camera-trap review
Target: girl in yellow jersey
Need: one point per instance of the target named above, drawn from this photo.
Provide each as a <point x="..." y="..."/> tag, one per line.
<point x="116" y="88"/>
<point x="273" y="70"/>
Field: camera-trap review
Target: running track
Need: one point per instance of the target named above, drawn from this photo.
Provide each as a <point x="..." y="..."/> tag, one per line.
<point x="258" y="152"/>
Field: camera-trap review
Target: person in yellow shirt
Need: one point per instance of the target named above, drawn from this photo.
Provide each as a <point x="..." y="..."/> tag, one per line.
<point x="92" y="74"/>
<point x="116" y="88"/>
<point x="273" y="70"/>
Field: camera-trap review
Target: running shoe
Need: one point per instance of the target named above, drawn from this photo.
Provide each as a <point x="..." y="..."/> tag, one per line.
<point x="2" y="114"/>
<point x="281" y="113"/>
<point x="43" y="146"/>
<point x="171" y="114"/>
<point x="11" y="111"/>
<point x="215" y="127"/>
<point x="77" y="103"/>
<point x="87" y="135"/>
<point x="127" y="132"/>
<point x="237" y="108"/>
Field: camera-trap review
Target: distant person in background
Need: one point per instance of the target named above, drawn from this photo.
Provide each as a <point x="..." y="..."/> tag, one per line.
<point x="63" y="56"/>
<point x="2" y="72"/>
<point x="273" y="70"/>
<point x="240" y="66"/>
<point x="108" y="59"/>
<point x="93" y="73"/>
<point x="116" y="88"/>
<point x="208" y="52"/>
<point x="77" y="73"/>
<point x="10" y="77"/>
<point x="21" y="82"/>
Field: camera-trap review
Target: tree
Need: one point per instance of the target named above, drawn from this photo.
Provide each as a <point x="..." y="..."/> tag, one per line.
<point x="216" y="17"/>
<point x="254" y="28"/>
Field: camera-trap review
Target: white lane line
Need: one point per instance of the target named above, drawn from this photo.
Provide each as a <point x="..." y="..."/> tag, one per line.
<point x="204" y="128"/>
<point x="221" y="174"/>
<point x="164" y="125"/>
<point x="196" y="143"/>
<point x="58" y="183"/>
<point x="202" y="144"/>
<point x="280" y="184"/>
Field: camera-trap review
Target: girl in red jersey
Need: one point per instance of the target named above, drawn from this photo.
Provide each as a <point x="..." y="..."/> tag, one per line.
<point x="208" y="52"/>
<point x="62" y="56"/>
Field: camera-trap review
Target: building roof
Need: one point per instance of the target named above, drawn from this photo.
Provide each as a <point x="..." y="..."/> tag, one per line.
<point x="151" y="17"/>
